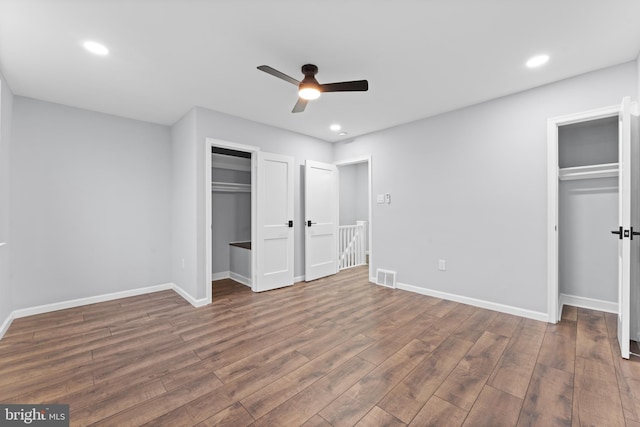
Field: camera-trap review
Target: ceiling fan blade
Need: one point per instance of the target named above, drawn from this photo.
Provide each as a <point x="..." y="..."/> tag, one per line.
<point x="278" y="74"/>
<point x="300" y="106"/>
<point x="354" y="86"/>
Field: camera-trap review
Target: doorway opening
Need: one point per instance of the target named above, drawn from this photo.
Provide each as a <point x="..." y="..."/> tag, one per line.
<point x="355" y="220"/>
<point x="231" y="213"/>
<point x="589" y="199"/>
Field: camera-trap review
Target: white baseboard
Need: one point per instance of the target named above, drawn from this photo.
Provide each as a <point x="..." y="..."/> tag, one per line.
<point x="299" y="279"/>
<point x="194" y="302"/>
<point x="5" y="325"/>
<point x="221" y="275"/>
<point x="47" y="308"/>
<point x="530" y="314"/>
<point x="590" y="303"/>
<point x="240" y="279"/>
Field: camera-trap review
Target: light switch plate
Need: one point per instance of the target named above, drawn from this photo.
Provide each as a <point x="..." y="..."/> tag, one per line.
<point x="380" y="198"/>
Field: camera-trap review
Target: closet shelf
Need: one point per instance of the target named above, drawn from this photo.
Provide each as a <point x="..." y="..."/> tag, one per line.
<point x="230" y="187"/>
<point x="221" y="161"/>
<point x="606" y="170"/>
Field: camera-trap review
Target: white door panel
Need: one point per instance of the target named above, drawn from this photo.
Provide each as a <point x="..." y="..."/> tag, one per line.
<point x="275" y="211"/>
<point x="321" y="212"/>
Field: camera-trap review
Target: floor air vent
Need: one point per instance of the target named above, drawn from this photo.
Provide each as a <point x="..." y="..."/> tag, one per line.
<point x="386" y="278"/>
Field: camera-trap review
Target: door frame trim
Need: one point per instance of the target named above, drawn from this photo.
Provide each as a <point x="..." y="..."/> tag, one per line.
<point x="352" y="161"/>
<point x="209" y="143"/>
<point x="553" y="307"/>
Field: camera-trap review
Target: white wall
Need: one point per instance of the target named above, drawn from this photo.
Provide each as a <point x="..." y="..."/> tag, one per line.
<point x="191" y="224"/>
<point x="469" y="187"/>
<point x="90" y="211"/>
<point x="6" y="108"/>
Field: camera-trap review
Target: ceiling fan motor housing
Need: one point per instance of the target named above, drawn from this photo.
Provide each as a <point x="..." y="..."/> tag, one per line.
<point x="309" y="81"/>
<point x="309" y="70"/>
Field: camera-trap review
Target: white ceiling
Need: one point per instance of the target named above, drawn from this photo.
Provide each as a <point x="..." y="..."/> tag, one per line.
<point x="421" y="57"/>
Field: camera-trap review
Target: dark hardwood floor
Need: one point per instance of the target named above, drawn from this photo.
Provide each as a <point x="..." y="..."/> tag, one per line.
<point x="335" y="352"/>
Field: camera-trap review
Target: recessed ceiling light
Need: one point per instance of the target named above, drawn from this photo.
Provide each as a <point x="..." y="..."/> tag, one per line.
<point x="342" y="134"/>
<point x="335" y="127"/>
<point x="537" y="61"/>
<point x="96" y="48"/>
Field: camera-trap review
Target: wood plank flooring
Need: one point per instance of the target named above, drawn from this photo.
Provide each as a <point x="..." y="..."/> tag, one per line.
<point x="335" y="352"/>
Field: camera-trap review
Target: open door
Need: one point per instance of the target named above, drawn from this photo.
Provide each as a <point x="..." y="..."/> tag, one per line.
<point x="625" y="231"/>
<point x="321" y="226"/>
<point x="274" y="222"/>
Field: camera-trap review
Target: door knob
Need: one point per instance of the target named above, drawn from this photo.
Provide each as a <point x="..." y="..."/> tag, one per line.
<point x="618" y="232"/>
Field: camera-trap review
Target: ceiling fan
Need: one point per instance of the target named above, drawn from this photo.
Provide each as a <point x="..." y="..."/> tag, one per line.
<point x="309" y="88"/>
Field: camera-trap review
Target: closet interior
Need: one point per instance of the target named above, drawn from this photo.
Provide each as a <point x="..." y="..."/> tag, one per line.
<point x="588" y="210"/>
<point x="231" y="215"/>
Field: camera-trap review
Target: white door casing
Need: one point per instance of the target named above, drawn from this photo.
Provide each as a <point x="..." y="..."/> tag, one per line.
<point x="624" y="214"/>
<point x="321" y="213"/>
<point x="275" y="249"/>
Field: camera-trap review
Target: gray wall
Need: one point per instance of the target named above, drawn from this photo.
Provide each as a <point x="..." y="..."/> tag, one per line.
<point x="183" y="199"/>
<point x="191" y="224"/>
<point x="231" y="220"/>
<point x="348" y="194"/>
<point x="6" y="107"/>
<point x="90" y="211"/>
<point x="469" y="187"/>
<point x="362" y="192"/>
<point x="354" y="194"/>
<point x="587" y="251"/>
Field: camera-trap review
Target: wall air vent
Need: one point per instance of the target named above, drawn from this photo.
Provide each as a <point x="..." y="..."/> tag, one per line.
<point x="386" y="278"/>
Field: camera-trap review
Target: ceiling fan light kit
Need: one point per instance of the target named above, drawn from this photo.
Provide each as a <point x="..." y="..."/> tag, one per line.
<point x="310" y="89"/>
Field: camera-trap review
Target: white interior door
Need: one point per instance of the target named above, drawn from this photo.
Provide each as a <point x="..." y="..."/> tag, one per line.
<point x="275" y="222"/>
<point x="321" y="213"/>
<point x="624" y="243"/>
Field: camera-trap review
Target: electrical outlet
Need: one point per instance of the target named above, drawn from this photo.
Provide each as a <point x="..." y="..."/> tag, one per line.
<point x="182" y="262"/>
<point x="387" y="198"/>
<point x="442" y="265"/>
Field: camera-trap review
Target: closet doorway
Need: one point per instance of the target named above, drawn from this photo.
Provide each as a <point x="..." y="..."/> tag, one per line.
<point x="589" y="198"/>
<point x="231" y="215"/>
<point x="270" y="242"/>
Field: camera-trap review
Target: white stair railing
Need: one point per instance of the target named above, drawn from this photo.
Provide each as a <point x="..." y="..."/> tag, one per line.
<point x="353" y="245"/>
